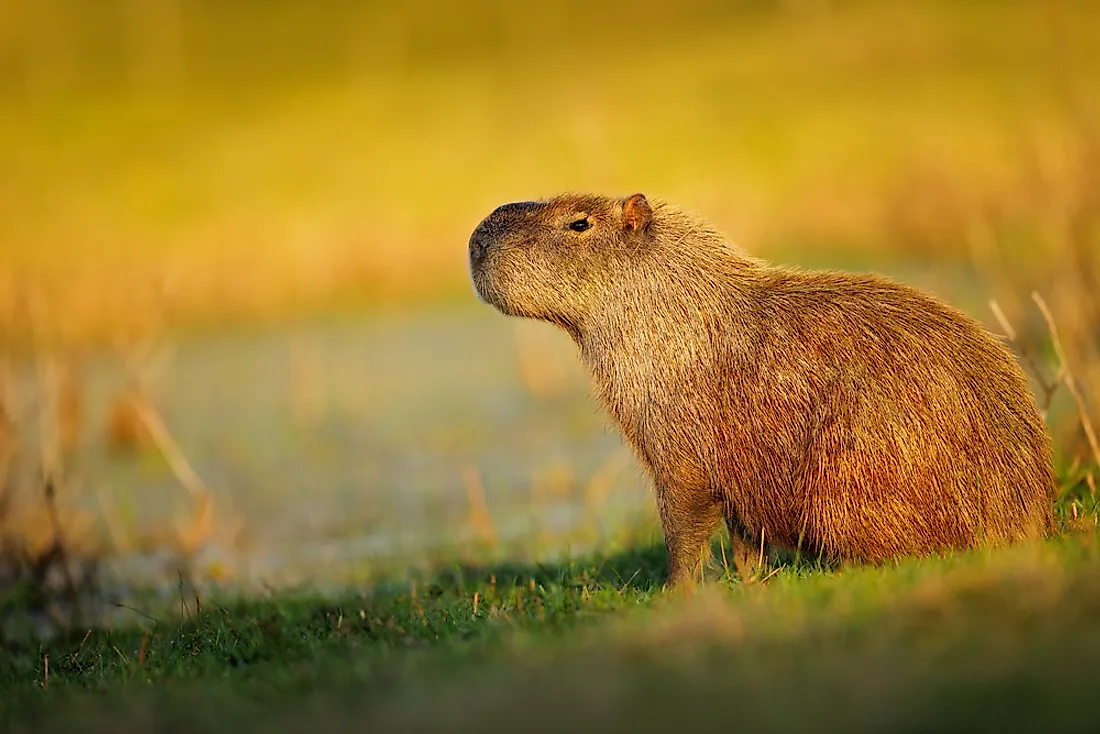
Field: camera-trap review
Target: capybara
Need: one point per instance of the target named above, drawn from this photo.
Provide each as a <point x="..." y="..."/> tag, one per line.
<point x="841" y="415"/>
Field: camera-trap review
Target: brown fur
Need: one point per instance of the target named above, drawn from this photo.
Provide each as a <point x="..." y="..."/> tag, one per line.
<point x="844" y="415"/>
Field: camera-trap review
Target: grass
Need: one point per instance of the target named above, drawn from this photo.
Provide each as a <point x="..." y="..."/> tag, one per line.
<point x="977" y="641"/>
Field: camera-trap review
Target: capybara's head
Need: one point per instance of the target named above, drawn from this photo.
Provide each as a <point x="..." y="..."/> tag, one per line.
<point x="552" y="259"/>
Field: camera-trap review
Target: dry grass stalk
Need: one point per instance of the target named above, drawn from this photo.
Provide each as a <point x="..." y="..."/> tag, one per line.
<point x="70" y="407"/>
<point x="144" y="422"/>
<point x="7" y="403"/>
<point x="49" y="550"/>
<point x="479" y="518"/>
<point x="602" y="480"/>
<point x="1052" y="201"/>
<point x="49" y="553"/>
<point x="1048" y="386"/>
<point x="125" y="428"/>
<point x="600" y="486"/>
<point x="8" y="437"/>
<point x="198" y="530"/>
<point x="1068" y="379"/>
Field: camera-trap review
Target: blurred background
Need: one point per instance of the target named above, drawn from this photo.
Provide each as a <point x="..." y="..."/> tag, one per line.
<point x="235" y="316"/>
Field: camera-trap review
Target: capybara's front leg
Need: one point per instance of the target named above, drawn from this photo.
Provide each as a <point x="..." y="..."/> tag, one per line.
<point x="688" y="519"/>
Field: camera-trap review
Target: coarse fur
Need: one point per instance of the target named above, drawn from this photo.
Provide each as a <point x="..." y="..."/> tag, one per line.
<point x="837" y="414"/>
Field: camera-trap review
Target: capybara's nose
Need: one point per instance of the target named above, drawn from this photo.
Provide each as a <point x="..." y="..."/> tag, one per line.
<point x="479" y="245"/>
<point x="495" y="226"/>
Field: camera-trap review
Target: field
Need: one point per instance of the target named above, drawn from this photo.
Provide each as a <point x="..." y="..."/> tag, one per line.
<point x="265" y="460"/>
<point x="982" y="643"/>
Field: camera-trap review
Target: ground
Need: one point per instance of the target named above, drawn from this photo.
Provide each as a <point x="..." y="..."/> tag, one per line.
<point x="980" y="641"/>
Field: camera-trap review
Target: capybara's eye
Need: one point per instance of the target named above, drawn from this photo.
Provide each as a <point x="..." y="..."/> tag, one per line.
<point x="580" y="225"/>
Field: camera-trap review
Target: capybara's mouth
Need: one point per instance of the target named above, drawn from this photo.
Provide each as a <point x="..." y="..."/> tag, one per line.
<point x="483" y="282"/>
<point x="491" y="295"/>
<point x="480" y="289"/>
<point x="484" y="263"/>
<point x="476" y="255"/>
<point x="476" y="264"/>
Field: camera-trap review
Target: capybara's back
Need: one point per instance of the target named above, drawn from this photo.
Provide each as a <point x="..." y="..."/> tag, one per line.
<point x="896" y="425"/>
<point x="834" y="413"/>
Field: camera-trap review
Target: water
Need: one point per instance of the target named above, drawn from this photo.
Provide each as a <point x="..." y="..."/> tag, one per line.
<point x="335" y="444"/>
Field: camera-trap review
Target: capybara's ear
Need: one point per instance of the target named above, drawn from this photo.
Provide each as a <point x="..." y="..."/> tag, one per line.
<point x="637" y="213"/>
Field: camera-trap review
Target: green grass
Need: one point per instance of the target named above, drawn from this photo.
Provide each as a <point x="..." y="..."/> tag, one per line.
<point x="977" y="641"/>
